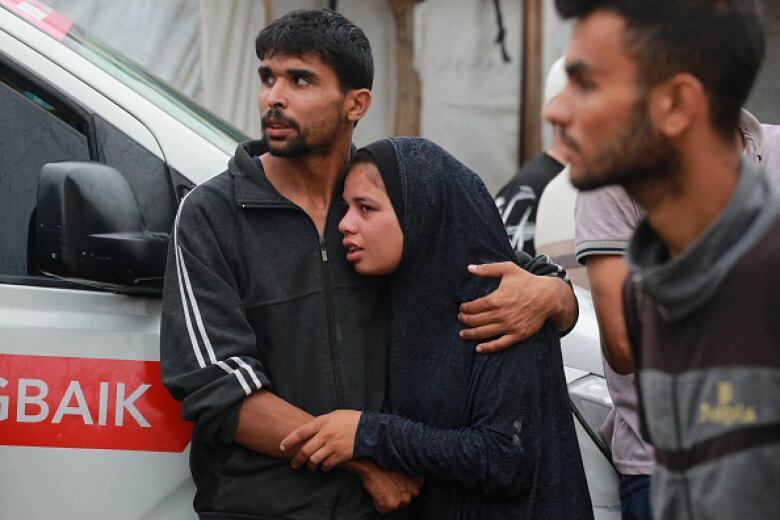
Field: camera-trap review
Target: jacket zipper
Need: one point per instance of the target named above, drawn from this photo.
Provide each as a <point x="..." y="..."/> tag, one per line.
<point x="328" y="290"/>
<point x="331" y="319"/>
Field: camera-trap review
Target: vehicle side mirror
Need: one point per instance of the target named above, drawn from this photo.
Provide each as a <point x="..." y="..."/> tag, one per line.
<point x="89" y="229"/>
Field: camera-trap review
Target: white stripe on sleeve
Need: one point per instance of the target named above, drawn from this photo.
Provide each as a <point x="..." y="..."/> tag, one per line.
<point x="240" y="362"/>
<point x="187" y="295"/>
<point x="185" y="307"/>
<point x="238" y="375"/>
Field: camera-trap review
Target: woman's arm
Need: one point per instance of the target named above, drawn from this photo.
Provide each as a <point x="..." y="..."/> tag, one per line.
<point x="499" y="450"/>
<point x="479" y="456"/>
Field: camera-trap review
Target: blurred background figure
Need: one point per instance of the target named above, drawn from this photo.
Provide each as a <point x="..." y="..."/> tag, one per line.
<point x="605" y="219"/>
<point x="518" y="200"/>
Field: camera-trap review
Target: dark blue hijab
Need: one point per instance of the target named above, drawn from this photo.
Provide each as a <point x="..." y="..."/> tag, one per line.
<point x="448" y="218"/>
<point x="449" y="221"/>
<point x="492" y="434"/>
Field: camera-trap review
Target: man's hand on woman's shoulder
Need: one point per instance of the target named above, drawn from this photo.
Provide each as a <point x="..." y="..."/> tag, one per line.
<point x="518" y="308"/>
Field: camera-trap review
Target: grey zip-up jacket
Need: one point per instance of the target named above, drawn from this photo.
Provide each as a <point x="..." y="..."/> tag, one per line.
<point x="706" y="342"/>
<point x="254" y="299"/>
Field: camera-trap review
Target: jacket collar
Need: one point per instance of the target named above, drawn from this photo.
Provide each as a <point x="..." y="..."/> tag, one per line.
<point x="251" y="185"/>
<point x="678" y="286"/>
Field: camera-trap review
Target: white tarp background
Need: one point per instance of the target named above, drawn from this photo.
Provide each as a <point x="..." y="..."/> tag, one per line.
<point x="470" y="97"/>
<point x="163" y="36"/>
<point x="229" y="78"/>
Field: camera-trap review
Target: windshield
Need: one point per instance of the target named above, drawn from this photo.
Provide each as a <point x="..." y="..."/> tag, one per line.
<point x="206" y="124"/>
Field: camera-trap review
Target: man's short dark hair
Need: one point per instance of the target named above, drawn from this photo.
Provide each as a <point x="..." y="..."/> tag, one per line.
<point x="339" y="43"/>
<point x="720" y="42"/>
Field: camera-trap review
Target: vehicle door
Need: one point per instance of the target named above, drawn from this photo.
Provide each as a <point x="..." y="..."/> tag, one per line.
<point x="86" y="428"/>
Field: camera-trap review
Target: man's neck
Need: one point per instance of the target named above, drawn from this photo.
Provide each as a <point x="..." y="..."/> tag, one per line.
<point x="555" y="154"/>
<point x="681" y="207"/>
<point x="308" y="181"/>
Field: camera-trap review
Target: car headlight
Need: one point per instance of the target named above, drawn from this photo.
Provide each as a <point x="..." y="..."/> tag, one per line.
<point x="590" y="396"/>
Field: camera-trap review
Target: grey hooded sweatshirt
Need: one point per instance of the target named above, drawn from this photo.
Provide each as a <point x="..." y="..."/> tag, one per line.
<point x="706" y="340"/>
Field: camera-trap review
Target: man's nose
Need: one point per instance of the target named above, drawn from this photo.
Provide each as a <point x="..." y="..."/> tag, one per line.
<point x="556" y="111"/>
<point x="277" y="96"/>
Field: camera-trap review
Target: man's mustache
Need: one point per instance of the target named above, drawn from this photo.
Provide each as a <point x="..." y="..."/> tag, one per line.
<point x="277" y="116"/>
<point x="568" y="141"/>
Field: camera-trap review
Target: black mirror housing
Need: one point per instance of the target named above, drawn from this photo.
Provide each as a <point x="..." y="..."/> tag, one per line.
<point x="89" y="229"/>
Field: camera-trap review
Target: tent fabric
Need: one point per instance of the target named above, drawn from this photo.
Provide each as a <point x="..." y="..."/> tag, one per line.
<point x="144" y="31"/>
<point x="470" y="96"/>
<point x="229" y="80"/>
<point x="205" y="48"/>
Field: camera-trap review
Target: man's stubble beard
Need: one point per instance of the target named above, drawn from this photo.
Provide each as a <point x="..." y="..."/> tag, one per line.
<point x="304" y="144"/>
<point x="638" y="156"/>
<point x="294" y="149"/>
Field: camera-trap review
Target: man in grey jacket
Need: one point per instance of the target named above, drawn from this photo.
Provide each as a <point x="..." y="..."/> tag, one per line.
<point x="653" y="103"/>
<point x="605" y="219"/>
<point x="265" y="324"/>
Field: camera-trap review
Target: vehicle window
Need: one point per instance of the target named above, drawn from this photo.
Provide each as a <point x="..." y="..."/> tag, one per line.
<point x="35" y="129"/>
<point x="209" y="126"/>
<point x="144" y="172"/>
<point x="39" y="126"/>
<point x="181" y="184"/>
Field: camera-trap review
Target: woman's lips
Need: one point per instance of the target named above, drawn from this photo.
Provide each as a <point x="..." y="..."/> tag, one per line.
<point x="354" y="253"/>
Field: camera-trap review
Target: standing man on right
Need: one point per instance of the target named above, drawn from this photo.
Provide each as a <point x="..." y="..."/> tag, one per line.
<point x="604" y="221"/>
<point x="654" y="96"/>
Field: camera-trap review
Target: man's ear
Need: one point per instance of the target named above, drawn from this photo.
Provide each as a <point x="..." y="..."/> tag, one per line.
<point x="676" y="104"/>
<point x="357" y="103"/>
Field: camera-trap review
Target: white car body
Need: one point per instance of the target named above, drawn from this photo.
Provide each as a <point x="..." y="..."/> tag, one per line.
<point x="86" y="428"/>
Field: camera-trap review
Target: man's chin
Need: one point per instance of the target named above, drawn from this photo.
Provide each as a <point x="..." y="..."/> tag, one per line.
<point x="282" y="152"/>
<point x="286" y="149"/>
<point x="586" y="179"/>
<point x="582" y="179"/>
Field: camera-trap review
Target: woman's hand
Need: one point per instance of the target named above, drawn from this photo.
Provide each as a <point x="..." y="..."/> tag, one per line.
<point x="325" y="442"/>
<point x="390" y="490"/>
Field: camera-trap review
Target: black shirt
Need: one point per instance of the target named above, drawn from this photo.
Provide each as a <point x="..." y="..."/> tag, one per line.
<point x="518" y="200"/>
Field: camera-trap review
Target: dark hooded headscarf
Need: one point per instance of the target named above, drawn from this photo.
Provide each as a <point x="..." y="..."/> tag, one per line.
<point x="474" y="425"/>
<point x="383" y="154"/>
<point x="449" y="221"/>
<point x="448" y="217"/>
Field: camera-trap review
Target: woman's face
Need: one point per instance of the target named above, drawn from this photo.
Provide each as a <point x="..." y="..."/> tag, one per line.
<point x="372" y="234"/>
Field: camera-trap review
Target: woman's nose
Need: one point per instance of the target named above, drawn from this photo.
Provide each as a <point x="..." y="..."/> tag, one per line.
<point x="346" y="225"/>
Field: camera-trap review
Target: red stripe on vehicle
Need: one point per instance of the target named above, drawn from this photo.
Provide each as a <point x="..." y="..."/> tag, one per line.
<point x="52" y="22"/>
<point x="69" y="402"/>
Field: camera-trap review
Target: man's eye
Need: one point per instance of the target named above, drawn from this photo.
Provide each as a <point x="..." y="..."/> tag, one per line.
<point x="266" y="79"/>
<point x="583" y="84"/>
<point x="301" y="81"/>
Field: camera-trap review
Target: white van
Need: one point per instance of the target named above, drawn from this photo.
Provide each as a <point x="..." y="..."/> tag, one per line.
<point x="95" y="155"/>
